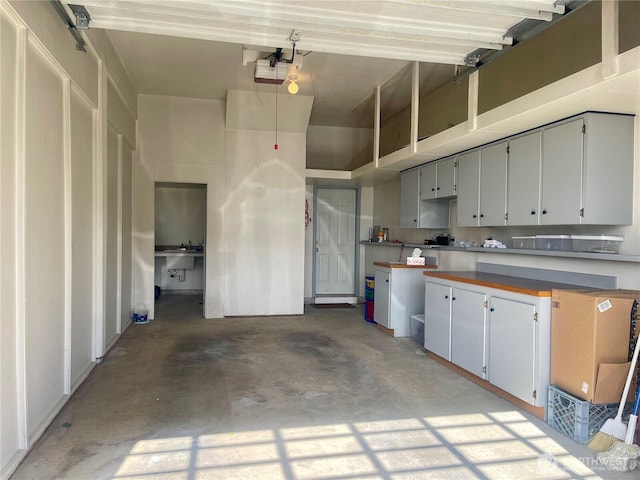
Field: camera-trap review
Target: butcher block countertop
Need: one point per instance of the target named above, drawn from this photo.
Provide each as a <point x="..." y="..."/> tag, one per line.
<point x="526" y="286"/>
<point x="402" y="265"/>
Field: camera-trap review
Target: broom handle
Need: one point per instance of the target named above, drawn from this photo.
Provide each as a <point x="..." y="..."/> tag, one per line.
<point x="627" y="384"/>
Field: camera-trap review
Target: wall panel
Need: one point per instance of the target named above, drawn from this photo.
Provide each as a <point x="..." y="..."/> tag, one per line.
<point x="9" y="417"/>
<point x="82" y="223"/>
<point x="111" y="251"/>
<point x="44" y="240"/>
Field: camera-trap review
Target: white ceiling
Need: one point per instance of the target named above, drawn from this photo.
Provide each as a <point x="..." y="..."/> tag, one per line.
<point x="193" y="48"/>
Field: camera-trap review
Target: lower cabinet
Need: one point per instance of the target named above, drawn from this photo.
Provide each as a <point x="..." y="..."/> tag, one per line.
<point x="399" y="293"/>
<point x="498" y="335"/>
<point x="468" y="330"/>
<point x="513" y="338"/>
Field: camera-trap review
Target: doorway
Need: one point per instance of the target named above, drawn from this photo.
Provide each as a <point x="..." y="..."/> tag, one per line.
<point x="180" y="254"/>
<point x="335" y="245"/>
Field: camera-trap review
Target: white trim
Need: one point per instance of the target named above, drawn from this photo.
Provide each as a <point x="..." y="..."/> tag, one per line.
<point x="376" y="128"/>
<point x="99" y="192"/>
<point x="472" y="101"/>
<point x="324" y="300"/>
<point x="415" y="105"/>
<point x="119" y="239"/>
<point x="20" y="268"/>
<point x="68" y="219"/>
<point x="609" y="38"/>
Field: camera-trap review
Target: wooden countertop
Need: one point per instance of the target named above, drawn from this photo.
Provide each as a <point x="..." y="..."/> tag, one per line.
<point x="402" y="265"/>
<point x="526" y="286"/>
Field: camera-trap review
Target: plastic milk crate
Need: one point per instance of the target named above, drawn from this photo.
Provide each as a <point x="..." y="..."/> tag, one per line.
<point x="577" y="419"/>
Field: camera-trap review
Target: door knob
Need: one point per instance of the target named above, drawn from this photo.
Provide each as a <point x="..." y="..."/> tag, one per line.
<point x="317" y="249"/>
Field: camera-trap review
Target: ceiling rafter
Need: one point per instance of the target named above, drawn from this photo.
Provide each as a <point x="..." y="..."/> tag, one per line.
<point x="423" y="30"/>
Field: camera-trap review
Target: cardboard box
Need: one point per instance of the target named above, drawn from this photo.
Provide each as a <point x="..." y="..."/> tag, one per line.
<point x="590" y="331"/>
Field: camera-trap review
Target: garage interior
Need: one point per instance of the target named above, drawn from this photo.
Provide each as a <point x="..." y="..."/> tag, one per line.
<point x="323" y="395"/>
<point x="237" y="373"/>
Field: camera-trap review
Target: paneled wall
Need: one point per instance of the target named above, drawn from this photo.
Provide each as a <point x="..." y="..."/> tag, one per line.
<point x="66" y="214"/>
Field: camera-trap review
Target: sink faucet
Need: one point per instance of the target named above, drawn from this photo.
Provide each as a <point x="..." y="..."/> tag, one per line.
<point x="189" y="244"/>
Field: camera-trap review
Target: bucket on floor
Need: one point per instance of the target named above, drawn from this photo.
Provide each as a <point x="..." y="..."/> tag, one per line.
<point x="140" y="316"/>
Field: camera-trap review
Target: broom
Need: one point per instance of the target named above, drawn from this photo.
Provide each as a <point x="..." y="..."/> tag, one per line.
<point x="614" y="428"/>
<point x="623" y="455"/>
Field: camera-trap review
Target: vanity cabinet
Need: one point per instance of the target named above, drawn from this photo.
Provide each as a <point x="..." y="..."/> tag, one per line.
<point x="500" y="335"/>
<point x="438" y="179"/>
<point x="418" y="213"/>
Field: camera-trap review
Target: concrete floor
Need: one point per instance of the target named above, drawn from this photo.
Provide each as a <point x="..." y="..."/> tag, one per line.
<point x="325" y="395"/>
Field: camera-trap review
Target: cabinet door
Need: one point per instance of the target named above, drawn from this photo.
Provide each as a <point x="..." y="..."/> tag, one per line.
<point x="437" y="319"/>
<point x="428" y="181"/>
<point x="607" y="195"/>
<point x="409" y="199"/>
<point x="512" y="347"/>
<point x="382" y="295"/>
<point x="523" y="179"/>
<point x="468" y="330"/>
<point x="561" y="186"/>
<point x="446" y="174"/>
<point x="468" y="188"/>
<point x="493" y="185"/>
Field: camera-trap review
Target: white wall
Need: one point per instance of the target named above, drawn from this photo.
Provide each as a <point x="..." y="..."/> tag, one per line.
<point x="182" y="140"/>
<point x="264" y="225"/>
<point x="180" y="214"/>
<point x="52" y="246"/>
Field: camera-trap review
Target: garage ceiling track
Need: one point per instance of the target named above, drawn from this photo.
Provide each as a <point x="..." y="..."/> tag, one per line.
<point x="416" y="30"/>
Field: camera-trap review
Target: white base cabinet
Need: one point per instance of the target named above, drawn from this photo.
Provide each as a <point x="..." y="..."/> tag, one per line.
<point x="399" y="293"/>
<point x="498" y="335"/>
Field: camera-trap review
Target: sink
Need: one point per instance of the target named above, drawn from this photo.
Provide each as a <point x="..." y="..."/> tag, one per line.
<point x="184" y="262"/>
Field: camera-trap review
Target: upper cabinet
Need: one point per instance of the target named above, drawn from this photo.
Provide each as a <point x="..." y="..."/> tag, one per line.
<point x="438" y="179"/>
<point x="482" y="183"/>
<point x="523" y="179"/>
<point x="418" y="213"/>
<point x="587" y="171"/>
<point x="578" y="171"/>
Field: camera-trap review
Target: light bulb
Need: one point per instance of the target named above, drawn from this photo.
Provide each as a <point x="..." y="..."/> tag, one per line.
<point x="293" y="86"/>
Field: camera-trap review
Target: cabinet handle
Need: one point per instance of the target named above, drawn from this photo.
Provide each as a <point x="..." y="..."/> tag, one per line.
<point x="415" y="220"/>
<point x="438" y="188"/>
<point x="491" y="309"/>
<point x="446" y="296"/>
<point x="482" y="215"/>
<point x="387" y="280"/>
<point x="475" y="216"/>
<point x="433" y="189"/>
<point x="544" y="212"/>
<point x="453" y="298"/>
<point x="533" y="212"/>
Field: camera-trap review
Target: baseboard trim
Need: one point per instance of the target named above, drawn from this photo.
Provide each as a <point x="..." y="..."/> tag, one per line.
<point x="324" y="299"/>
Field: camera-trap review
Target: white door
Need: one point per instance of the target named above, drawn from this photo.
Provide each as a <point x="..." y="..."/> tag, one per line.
<point x="335" y="241"/>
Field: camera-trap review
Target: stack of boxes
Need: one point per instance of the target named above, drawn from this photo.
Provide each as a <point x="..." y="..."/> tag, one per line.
<point x="591" y="333"/>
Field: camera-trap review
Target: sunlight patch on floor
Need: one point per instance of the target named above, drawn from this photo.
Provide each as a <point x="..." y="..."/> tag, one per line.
<point x="475" y="446"/>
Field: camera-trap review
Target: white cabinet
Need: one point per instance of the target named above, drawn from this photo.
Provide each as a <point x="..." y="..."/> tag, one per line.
<point x="399" y="293"/>
<point x="410" y="199"/>
<point x="468" y="188"/>
<point x="587" y="165"/>
<point x="493" y="185"/>
<point x="418" y="213"/>
<point x="438" y="179"/>
<point x="513" y="340"/>
<point x="468" y="330"/>
<point x="499" y="335"/>
<point x="437" y="319"/>
<point x="577" y="171"/>
<point x="523" y="179"/>
<point x="482" y="184"/>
